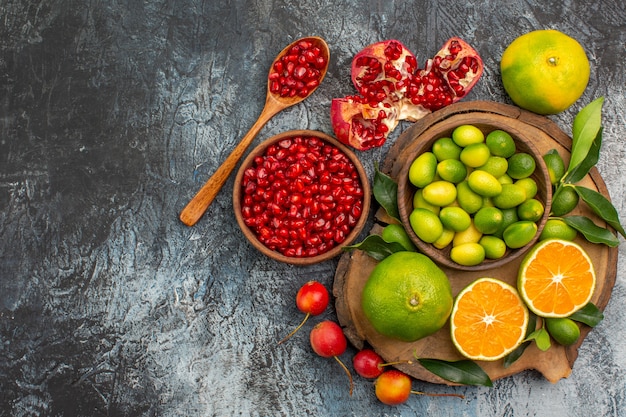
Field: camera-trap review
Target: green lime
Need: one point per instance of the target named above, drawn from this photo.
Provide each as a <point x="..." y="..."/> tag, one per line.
<point x="512" y="195"/>
<point x="563" y="330"/>
<point x="419" y="202"/>
<point x="555" y="165"/>
<point x="468" y="200"/>
<point x="496" y="166"/>
<point x="529" y="185"/>
<point x="484" y="183"/>
<point x="468" y="254"/>
<point x="505" y="179"/>
<point x="452" y="170"/>
<point x="426" y="225"/>
<point x="495" y="248"/>
<point x="521" y="165"/>
<point x="488" y="220"/>
<point x="445" y="148"/>
<point x="558" y="229"/>
<point x="407" y="297"/>
<point x="519" y="233"/>
<point x="530" y="210"/>
<point x="564" y="200"/>
<point x="475" y="155"/>
<point x="422" y="170"/>
<point x="439" y="193"/>
<point x="509" y="216"/>
<point x="455" y="218"/>
<point x="500" y="143"/>
<point x="445" y="239"/>
<point x="395" y="233"/>
<point x="465" y="135"/>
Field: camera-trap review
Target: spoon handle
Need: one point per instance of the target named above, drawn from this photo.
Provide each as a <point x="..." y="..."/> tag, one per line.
<point x="204" y="197"/>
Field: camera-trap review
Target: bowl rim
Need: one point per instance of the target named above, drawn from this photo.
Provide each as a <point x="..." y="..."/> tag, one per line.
<point x="486" y="122"/>
<point x="338" y="249"/>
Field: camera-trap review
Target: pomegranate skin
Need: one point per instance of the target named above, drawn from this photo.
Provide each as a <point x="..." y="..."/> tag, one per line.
<point x="327" y="339"/>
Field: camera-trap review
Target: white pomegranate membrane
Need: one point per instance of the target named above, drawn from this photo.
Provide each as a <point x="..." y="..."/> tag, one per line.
<point x="302" y="197"/>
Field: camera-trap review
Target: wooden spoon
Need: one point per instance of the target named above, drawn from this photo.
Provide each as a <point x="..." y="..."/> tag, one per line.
<point x="274" y="103"/>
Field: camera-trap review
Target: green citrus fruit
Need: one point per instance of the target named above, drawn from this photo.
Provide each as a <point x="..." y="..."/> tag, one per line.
<point x="465" y="135"/>
<point x="512" y="195"/>
<point x="509" y="216"/>
<point x="555" y="165"/>
<point x="439" y="193"/>
<point x="557" y="229"/>
<point x="488" y="220"/>
<point x="500" y="143"/>
<point x="426" y="225"/>
<point x="496" y="166"/>
<point x="395" y="233"/>
<point x="445" y="239"/>
<point x="495" y="248"/>
<point x="445" y="148"/>
<point x="530" y="210"/>
<point x="529" y="185"/>
<point x="521" y="165"/>
<point x="455" y="218"/>
<point x="452" y="170"/>
<point x="469" y="235"/>
<point x="422" y="170"/>
<point x="419" y="202"/>
<point x="468" y="254"/>
<point x="544" y="71"/>
<point x="519" y="233"/>
<point x="407" y="297"/>
<point x="483" y="183"/>
<point x="563" y="330"/>
<point x="564" y="200"/>
<point x="468" y="200"/>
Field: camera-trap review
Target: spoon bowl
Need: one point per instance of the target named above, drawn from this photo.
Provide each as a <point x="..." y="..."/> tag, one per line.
<point x="274" y="103"/>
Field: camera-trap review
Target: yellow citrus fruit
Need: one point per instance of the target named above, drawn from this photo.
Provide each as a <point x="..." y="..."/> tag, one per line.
<point x="475" y="155"/>
<point x="530" y="210"/>
<point x="426" y="224"/>
<point x="455" y="218"/>
<point x="563" y="330"/>
<point x="529" y="185"/>
<point x="500" y="143"/>
<point x="465" y="135"/>
<point x="422" y="170"/>
<point x="521" y="165"/>
<point x="468" y="254"/>
<point x="439" y="193"/>
<point x="483" y="183"/>
<point x="419" y="202"/>
<point x="445" y="239"/>
<point x="496" y="166"/>
<point x="469" y="235"/>
<point x="488" y="320"/>
<point x="407" y="297"/>
<point x="445" y="148"/>
<point x="556" y="278"/>
<point x="557" y="229"/>
<point x="544" y="71"/>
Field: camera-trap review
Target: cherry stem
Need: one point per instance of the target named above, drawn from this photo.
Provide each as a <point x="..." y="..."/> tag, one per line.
<point x="432" y="394"/>
<point x="382" y="365"/>
<point x="296" y="329"/>
<point x="347" y="373"/>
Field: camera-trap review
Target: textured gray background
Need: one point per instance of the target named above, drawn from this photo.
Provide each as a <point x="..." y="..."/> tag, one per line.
<point x="113" y="113"/>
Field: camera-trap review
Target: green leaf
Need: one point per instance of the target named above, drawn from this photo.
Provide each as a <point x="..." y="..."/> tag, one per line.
<point x="465" y="372"/>
<point x="601" y="206"/>
<point x="376" y="247"/>
<point x="592" y="232"/>
<point x="587" y="123"/>
<point x="517" y="353"/>
<point x="541" y="338"/>
<point x="385" y="191"/>
<point x="589" y="315"/>
<point x="578" y="172"/>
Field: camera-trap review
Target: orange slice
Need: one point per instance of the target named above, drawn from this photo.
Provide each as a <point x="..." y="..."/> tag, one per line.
<point x="556" y="278"/>
<point x="488" y="320"/>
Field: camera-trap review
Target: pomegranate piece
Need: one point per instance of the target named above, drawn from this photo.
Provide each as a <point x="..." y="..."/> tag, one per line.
<point x="392" y="87"/>
<point x="298" y="71"/>
<point x="302" y="197"/>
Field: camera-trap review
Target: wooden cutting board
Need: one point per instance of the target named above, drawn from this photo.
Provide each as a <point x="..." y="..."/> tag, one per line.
<point x="355" y="267"/>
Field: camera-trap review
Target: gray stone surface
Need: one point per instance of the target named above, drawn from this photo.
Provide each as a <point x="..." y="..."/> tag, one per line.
<point x="112" y="114"/>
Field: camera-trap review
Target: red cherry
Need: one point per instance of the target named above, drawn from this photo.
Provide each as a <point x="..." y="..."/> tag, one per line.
<point x="368" y="363"/>
<point x="327" y="340"/>
<point x="311" y="299"/>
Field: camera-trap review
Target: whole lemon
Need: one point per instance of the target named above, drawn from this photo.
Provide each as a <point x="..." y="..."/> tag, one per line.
<point x="544" y="71"/>
<point x="407" y="297"/>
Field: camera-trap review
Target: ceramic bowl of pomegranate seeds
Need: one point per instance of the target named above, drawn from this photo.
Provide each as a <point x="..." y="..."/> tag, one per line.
<point x="473" y="191"/>
<point x="301" y="196"/>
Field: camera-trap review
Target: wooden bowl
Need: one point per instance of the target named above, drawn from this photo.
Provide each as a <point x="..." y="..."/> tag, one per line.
<point x="486" y="123"/>
<point x="337" y="249"/>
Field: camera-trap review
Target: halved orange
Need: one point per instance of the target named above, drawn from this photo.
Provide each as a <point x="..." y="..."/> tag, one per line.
<point x="556" y="278"/>
<point x="488" y="320"/>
